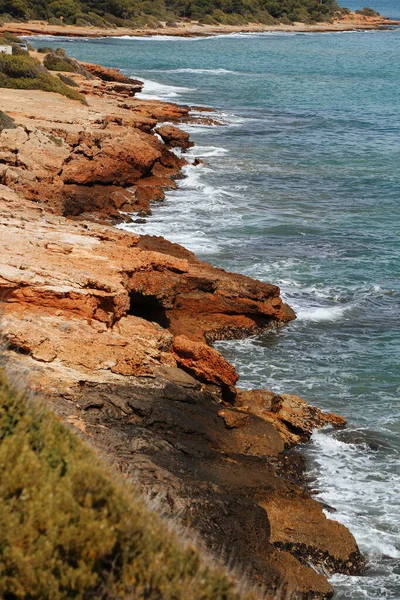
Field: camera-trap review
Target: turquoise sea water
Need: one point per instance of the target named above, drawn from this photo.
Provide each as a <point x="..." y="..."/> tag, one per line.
<point x="301" y="187"/>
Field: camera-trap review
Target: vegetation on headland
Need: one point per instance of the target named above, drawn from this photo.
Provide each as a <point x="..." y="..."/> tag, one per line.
<point x="368" y="12"/>
<point x="156" y="13"/>
<point x="21" y="71"/>
<point x="68" y="530"/>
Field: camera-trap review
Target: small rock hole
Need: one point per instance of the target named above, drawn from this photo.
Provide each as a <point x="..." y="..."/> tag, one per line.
<point x="149" y="308"/>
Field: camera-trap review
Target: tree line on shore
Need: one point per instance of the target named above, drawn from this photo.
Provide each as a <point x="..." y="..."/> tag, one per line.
<point x="157" y="13"/>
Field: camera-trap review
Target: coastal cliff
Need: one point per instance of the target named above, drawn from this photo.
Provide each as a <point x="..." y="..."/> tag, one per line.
<point x="115" y="330"/>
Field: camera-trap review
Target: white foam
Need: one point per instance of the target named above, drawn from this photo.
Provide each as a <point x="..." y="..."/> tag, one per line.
<point x="206" y="71"/>
<point x="184" y="215"/>
<point x="207" y="151"/>
<point x="157" y="38"/>
<point x="319" y="313"/>
<point x="154" y="90"/>
<point x="363" y="487"/>
<point x="192" y="181"/>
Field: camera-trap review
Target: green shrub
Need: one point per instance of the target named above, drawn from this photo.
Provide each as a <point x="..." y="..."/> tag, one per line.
<point x="113" y="20"/>
<point x="265" y="18"/>
<point x="67" y="80"/>
<point x="18" y="51"/>
<point x="55" y="21"/>
<point x="68" y="530"/>
<point x="59" y="61"/>
<point x="17" y="9"/>
<point x="208" y="20"/>
<point x="52" y="62"/>
<point x="102" y="13"/>
<point x="92" y="19"/>
<point x="10" y="38"/>
<point x="27" y="73"/>
<point x="46" y="83"/>
<point x="20" y="66"/>
<point x="218" y="16"/>
<point x="368" y="12"/>
<point x="44" y="49"/>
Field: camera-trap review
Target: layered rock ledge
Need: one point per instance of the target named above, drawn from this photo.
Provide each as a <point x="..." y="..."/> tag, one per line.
<point x="115" y="329"/>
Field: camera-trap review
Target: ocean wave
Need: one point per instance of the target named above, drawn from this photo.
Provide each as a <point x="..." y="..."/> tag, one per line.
<point x="155" y="90"/>
<point x="318" y="314"/>
<point x="192" y="181"/>
<point x="206" y="71"/>
<point x="158" y="38"/>
<point x="207" y="151"/>
<point x="186" y="210"/>
<point x="361" y="495"/>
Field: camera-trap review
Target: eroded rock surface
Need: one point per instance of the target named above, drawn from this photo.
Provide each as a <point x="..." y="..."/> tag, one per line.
<point x="114" y="329"/>
<point x="102" y="160"/>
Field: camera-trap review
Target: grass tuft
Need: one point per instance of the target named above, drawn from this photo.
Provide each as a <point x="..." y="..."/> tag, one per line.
<point x="68" y="530"/>
<point x="26" y="73"/>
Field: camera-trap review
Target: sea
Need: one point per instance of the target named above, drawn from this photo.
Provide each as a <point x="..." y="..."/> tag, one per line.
<point x="300" y="187"/>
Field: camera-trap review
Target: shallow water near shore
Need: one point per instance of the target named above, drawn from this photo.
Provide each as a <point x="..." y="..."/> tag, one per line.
<point x="301" y="188"/>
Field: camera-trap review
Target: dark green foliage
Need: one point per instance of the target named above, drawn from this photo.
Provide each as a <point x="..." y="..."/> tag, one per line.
<point x="55" y="21"/>
<point x="53" y="62"/>
<point x="67" y="530"/>
<point x="18" y="51"/>
<point x="6" y="122"/>
<point x="67" y="80"/>
<point x="20" y="66"/>
<point x="106" y="13"/>
<point x="26" y="73"/>
<point x="368" y="12"/>
<point x="59" y="61"/>
<point x="44" y="50"/>
<point x="10" y="38"/>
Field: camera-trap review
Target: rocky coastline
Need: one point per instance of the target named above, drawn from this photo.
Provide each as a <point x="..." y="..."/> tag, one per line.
<point x="115" y="330"/>
<point x="349" y="22"/>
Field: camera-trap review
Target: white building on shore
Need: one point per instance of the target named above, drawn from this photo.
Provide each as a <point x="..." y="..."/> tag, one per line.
<point x="5" y="49"/>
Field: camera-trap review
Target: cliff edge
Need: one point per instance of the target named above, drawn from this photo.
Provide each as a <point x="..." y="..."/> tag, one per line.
<point x="114" y="329"/>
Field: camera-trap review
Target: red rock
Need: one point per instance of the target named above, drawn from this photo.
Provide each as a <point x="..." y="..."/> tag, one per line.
<point x="146" y="194"/>
<point x="110" y="74"/>
<point x="174" y="137"/>
<point x="204" y="363"/>
<point x="234" y="419"/>
<point x="292" y="416"/>
<point x="122" y="160"/>
<point x="299" y="525"/>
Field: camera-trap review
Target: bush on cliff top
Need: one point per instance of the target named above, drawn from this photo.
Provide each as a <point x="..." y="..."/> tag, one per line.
<point x="368" y="12"/>
<point x="68" y="530"/>
<point x="26" y="73"/>
<point x="106" y="13"/>
<point x="60" y="61"/>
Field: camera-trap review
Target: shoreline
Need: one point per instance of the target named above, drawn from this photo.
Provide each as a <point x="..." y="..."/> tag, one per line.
<point x="194" y="29"/>
<point x="147" y="383"/>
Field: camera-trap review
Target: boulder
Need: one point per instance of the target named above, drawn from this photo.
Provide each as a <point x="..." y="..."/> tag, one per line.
<point x="174" y="137"/>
